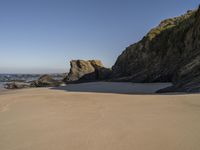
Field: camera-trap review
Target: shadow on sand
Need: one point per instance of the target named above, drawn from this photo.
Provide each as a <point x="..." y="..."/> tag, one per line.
<point x="117" y="88"/>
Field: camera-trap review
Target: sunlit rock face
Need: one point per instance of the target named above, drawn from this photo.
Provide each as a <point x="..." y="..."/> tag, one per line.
<point x="90" y="70"/>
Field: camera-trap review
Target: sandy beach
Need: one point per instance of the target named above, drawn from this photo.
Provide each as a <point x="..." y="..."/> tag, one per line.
<point x="80" y="118"/>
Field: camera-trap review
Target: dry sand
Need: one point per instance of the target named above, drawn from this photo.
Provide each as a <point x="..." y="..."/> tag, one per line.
<point x="53" y="119"/>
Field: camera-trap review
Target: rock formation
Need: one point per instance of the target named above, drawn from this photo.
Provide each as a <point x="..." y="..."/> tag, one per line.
<point x="45" y="81"/>
<point x="90" y="70"/>
<point x="17" y="85"/>
<point x="168" y="53"/>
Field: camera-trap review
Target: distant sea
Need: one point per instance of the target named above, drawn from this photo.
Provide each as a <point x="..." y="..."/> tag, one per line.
<point x="1" y="86"/>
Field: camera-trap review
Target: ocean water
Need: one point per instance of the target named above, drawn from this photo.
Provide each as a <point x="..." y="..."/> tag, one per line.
<point x="1" y="86"/>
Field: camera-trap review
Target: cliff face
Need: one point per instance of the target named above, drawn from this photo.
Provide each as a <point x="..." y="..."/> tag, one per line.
<point x="169" y="52"/>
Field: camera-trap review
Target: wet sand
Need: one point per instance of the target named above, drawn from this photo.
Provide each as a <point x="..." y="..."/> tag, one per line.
<point x="56" y="119"/>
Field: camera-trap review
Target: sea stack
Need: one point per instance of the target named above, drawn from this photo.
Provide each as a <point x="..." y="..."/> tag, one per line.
<point x="87" y="70"/>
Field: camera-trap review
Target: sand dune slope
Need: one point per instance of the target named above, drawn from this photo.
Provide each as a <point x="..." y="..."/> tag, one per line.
<point x="46" y="119"/>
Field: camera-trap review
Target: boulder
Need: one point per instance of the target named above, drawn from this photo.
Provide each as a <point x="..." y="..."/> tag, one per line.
<point x="90" y="70"/>
<point x="17" y="85"/>
<point x="45" y="81"/>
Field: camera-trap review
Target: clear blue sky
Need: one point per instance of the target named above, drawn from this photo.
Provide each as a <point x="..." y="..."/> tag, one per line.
<point x="42" y="36"/>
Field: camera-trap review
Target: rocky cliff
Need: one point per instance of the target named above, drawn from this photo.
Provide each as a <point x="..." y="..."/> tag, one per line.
<point x="170" y="52"/>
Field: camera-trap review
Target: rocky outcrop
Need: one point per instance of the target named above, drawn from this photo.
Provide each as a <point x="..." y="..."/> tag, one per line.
<point x="90" y="70"/>
<point x="45" y="81"/>
<point x="17" y="85"/>
<point x="168" y="53"/>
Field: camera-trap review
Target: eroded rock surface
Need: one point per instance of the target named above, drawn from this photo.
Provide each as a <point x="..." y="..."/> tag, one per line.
<point x="90" y="70"/>
<point x="45" y="81"/>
